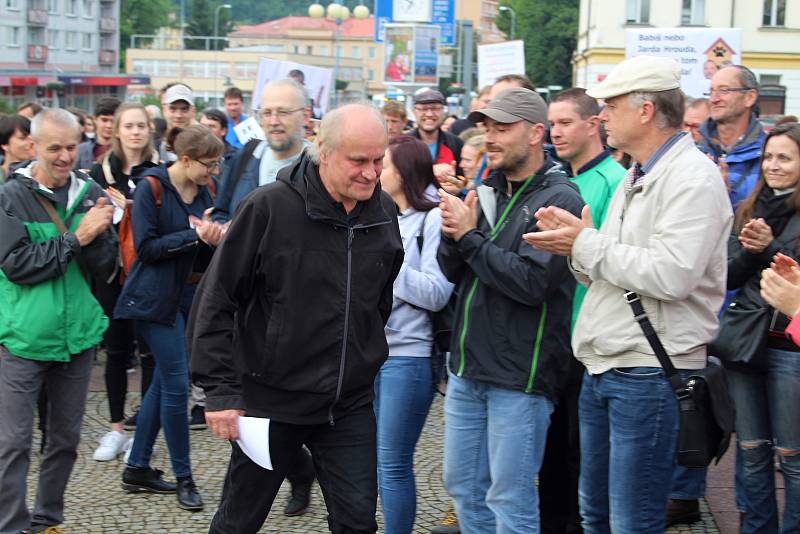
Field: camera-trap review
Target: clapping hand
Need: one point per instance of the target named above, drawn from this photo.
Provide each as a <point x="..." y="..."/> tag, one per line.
<point x="558" y="230"/>
<point x="755" y="236"/>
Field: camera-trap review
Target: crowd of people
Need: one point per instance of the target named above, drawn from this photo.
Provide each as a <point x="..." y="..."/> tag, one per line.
<point x="331" y="279"/>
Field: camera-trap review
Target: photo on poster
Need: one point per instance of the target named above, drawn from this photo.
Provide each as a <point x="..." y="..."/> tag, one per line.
<point x="426" y="55"/>
<point x="317" y="81"/>
<point x="399" y="54"/>
<point x="701" y="52"/>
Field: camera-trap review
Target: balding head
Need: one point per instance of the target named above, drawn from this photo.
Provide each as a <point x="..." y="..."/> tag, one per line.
<point x="343" y="122"/>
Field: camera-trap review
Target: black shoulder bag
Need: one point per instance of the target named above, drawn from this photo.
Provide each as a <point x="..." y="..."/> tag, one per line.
<point x="706" y="410"/>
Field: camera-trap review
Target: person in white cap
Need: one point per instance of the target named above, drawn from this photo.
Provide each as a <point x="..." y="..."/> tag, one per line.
<point x="177" y="103"/>
<point x="664" y="237"/>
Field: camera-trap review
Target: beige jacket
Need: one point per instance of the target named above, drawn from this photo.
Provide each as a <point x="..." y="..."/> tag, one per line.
<point x="666" y="239"/>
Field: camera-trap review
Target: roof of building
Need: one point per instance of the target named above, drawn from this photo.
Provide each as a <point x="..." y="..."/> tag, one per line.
<point x="351" y="27"/>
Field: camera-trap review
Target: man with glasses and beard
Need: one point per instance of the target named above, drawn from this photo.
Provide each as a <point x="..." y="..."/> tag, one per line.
<point x="284" y="109"/>
<point x="429" y="113"/>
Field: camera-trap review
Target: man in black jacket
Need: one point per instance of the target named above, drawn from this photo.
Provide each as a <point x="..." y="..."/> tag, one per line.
<point x="287" y="324"/>
<point x="511" y="335"/>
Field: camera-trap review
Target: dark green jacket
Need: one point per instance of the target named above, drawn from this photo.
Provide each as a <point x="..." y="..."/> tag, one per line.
<point x="48" y="311"/>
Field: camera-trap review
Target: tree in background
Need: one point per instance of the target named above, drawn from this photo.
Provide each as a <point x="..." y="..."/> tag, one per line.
<point x="549" y="29"/>
<point x="258" y="11"/>
<point x="201" y="22"/>
<point x="141" y="17"/>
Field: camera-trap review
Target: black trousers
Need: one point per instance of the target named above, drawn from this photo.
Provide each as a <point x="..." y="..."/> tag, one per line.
<point x="558" y="476"/>
<point x="345" y="459"/>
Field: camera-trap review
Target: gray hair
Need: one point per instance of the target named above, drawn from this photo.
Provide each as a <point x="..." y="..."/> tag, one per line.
<point x="57" y="116"/>
<point x="746" y="76"/>
<point x="302" y="94"/>
<point x="330" y="128"/>
<point x="669" y="106"/>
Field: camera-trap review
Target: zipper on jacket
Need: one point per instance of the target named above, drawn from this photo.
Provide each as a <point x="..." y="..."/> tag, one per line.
<point x="537" y="347"/>
<point x="468" y="302"/>
<point x="350" y="236"/>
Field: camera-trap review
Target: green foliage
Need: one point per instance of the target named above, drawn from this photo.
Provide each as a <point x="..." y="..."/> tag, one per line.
<point x="549" y="29"/>
<point x="258" y="11"/>
<point x="201" y="22"/>
<point x="6" y="107"/>
<point x="141" y="17"/>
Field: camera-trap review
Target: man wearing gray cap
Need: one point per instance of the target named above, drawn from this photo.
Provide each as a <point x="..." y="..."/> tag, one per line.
<point x="429" y="108"/>
<point x="664" y="237"/>
<point x="511" y="334"/>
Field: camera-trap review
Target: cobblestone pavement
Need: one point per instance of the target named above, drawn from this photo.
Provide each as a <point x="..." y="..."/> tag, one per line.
<point x="95" y="502"/>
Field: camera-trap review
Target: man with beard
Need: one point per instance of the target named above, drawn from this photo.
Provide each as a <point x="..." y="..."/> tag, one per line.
<point x="283" y="112"/>
<point x="511" y="334"/>
<point x="429" y="108"/>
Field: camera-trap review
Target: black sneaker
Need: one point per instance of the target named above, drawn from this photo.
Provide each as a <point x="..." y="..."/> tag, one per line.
<point x="146" y="479"/>
<point x="130" y="422"/>
<point x="188" y="496"/>
<point x="299" y="501"/>
<point x="197" y="419"/>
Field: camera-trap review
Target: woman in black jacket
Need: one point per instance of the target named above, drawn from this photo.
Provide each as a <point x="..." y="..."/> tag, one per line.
<point x="766" y="389"/>
<point x="131" y="152"/>
<point x="173" y="234"/>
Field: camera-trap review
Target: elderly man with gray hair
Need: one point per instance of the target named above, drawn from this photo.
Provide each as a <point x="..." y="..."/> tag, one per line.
<point x="664" y="238"/>
<point x="287" y="325"/>
<point x="55" y="236"/>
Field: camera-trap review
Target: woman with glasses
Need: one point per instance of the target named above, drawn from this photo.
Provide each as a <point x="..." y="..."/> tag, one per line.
<point x="173" y="234"/>
<point x="404" y="385"/>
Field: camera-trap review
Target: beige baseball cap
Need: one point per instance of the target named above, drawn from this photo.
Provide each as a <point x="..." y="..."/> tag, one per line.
<point x="648" y="74"/>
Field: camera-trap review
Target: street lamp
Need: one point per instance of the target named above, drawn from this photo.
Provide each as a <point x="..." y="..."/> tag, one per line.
<point x="339" y="14"/>
<point x="513" y="19"/>
<point x="216" y="45"/>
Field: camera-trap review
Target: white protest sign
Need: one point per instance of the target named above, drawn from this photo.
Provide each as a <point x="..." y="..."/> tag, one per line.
<point x="495" y="60"/>
<point x="316" y="80"/>
<point x="248" y="129"/>
<point x="700" y="51"/>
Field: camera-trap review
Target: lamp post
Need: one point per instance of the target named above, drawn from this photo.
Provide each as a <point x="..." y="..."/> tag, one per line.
<point x="513" y="19"/>
<point x="216" y="47"/>
<point x="338" y="13"/>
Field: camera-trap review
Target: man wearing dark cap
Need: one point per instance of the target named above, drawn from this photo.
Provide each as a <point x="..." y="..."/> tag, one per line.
<point x="511" y="335"/>
<point x="429" y="108"/>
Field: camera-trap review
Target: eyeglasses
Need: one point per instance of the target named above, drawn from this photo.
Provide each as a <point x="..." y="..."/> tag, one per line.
<point x="428" y="109"/>
<point x="727" y="90"/>
<point x="280" y="113"/>
<point x="211" y="165"/>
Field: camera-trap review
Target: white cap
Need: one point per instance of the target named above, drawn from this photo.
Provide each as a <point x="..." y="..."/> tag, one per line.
<point x="647" y="74"/>
<point x="179" y="92"/>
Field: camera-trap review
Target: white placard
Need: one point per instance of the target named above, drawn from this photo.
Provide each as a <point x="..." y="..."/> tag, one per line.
<point x="254" y="440"/>
<point x="316" y="80"/>
<point x="495" y="60"/>
<point x="700" y="51"/>
<point x="248" y="129"/>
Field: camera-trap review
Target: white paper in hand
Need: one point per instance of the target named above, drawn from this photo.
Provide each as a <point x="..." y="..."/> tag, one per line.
<point x="248" y="129"/>
<point x="254" y="440"/>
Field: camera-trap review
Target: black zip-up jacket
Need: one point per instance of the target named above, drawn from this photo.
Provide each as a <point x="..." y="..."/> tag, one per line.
<point x="512" y="326"/>
<point x="288" y="320"/>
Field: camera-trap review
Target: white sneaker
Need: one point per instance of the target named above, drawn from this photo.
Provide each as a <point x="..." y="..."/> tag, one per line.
<point x="111" y="446"/>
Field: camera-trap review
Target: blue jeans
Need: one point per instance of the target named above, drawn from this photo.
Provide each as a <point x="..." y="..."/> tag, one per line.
<point x="629" y="428"/>
<point x="494" y="442"/>
<point x="403" y="396"/>
<point x="767" y="421"/>
<point x="166" y="401"/>
<point x="688" y="483"/>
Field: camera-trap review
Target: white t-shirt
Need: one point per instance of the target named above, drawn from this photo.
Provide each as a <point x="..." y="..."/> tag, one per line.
<point x="270" y="166"/>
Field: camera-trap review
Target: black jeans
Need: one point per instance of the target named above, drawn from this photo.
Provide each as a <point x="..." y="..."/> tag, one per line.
<point x="345" y="459"/>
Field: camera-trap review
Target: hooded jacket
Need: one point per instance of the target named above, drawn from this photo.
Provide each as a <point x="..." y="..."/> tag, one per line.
<point x="166" y="247"/>
<point x="514" y="302"/>
<point x="288" y="320"/>
<point x="742" y="159"/>
<point x="48" y="311"/>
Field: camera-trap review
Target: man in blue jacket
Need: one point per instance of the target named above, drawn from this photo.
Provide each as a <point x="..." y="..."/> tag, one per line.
<point x="733" y="135"/>
<point x="283" y="111"/>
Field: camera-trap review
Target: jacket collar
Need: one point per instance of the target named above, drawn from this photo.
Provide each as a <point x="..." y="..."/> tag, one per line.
<point x="77" y="180"/>
<point x="752" y="136"/>
<point x="303" y="177"/>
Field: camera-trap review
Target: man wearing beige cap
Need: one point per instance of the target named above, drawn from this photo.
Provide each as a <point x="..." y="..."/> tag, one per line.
<point x="664" y="237"/>
<point x="511" y="335"/>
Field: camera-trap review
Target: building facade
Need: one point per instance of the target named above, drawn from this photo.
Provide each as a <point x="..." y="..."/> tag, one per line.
<point x="770" y="39"/>
<point x="60" y="52"/>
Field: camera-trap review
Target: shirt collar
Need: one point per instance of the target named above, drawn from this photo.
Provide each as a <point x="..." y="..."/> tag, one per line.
<point x="650" y="163"/>
<point x="594" y="162"/>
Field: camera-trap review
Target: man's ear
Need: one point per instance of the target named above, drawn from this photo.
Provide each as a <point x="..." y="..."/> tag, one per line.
<point x="647" y="112"/>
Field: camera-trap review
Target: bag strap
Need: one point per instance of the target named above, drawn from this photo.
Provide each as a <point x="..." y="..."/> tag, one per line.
<point x="155" y="186"/>
<point x="421" y="233"/>
<point x="640" y="315"/>
<point x="62" y="229"/>
<point x="241" y="165"/>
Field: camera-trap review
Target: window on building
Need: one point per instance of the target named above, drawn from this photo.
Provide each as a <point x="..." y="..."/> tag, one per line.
<point x="296" y="49"/>
<point x="371" y="52"/>
<point x="222" y="69"/>
<point x="339" y="50"/>
<point x="194" y="69"/>
<point x="36" y="36"/>
<point x="52" y="6"/>
<point x="71" y="40"/>
<point x="371" y="74"/>
<point x="72" y="7"/>
<point x="323" y="50"/>
<point x="693" y="12"/>
<point x="774" y="12"/>
<point x="638" y="12"/>
<point x="144" y="66"/>
<point x="12" y="36"/>
<point x="355" y="52"/>
<point x="246" y="70"/>
<point x="12" y="4"/>
<point x="88" y="8"/>
<point x="166" y="68"/>
<point x="88" y="41"/>
<point x="769" y="79"/>
<point x="52" y="39"/>
<point x="309" y="50"/>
